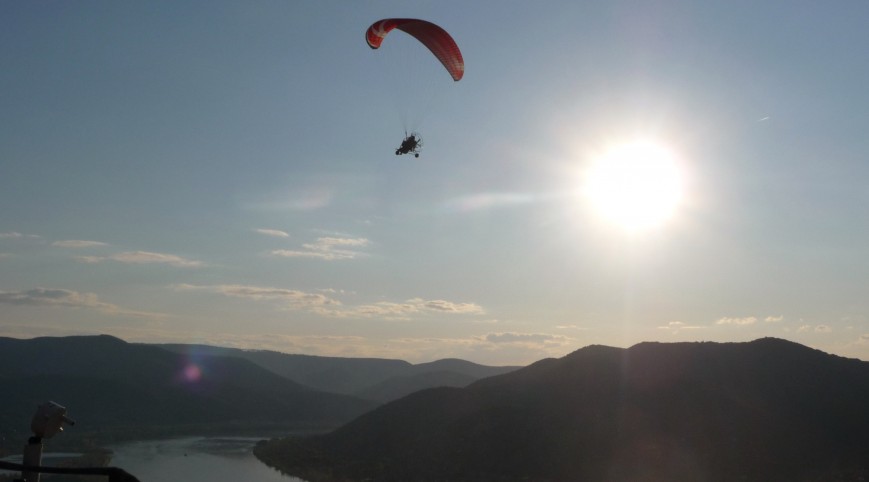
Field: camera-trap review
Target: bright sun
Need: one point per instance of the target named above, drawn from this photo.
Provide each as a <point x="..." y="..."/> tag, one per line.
<point x="635" y="185"/>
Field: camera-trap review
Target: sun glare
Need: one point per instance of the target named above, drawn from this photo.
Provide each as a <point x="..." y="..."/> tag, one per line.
<point x="635" y="185"/>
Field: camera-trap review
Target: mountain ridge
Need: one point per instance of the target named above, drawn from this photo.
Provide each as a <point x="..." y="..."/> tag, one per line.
<point x="116" y="389"/>
<point x="763" y="410"/>
<point x="376" y="379"/>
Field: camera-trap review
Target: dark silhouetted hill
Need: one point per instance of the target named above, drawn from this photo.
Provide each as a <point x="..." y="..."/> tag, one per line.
<point x="376" y="379"/>
<point x="115" y="389"/>
<point x="768" y="410"/>
<point x="400" y="386"/>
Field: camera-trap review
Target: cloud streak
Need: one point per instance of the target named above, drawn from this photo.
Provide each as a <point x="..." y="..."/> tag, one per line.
<point x="815" y="329"/>
<point x="275" y="233"/>
<point x="76" y="243"/>
<point x="144" y="257"/>
<point x="17" y="235"/>
<point x="292" y="298"/>
<point x="51" y="297"/>
<point x="491" y="200"/>
<point x="536" y="339"/>
<point x="677" y="326"/>
<point x="414" y="306"/>
<point x="327" y="248"/>
<point x="319" y="303"/>
<point x="748" y="320"/>
<point x="47" y="297"/>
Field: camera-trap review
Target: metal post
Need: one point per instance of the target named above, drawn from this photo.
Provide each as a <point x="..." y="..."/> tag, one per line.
<point x="32" y="458"/>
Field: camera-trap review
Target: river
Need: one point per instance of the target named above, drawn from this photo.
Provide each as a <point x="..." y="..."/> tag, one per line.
<point x="211" y="459"/>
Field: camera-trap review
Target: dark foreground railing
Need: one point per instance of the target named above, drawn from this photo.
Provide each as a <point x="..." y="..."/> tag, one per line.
<point x="113" y="473"/>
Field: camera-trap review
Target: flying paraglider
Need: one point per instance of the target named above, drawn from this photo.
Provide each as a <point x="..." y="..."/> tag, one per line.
<point x="433" y="37"/>
<point x="410" y="144"/>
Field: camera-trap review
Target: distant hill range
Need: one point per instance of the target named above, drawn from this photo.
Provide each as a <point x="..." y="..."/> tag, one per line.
<point x="768" y="410"/>
<point x="376" y="379"/>
<point x="119" y="391"/>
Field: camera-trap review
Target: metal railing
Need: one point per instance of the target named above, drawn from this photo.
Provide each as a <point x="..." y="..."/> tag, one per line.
<point x="114" y="474"/>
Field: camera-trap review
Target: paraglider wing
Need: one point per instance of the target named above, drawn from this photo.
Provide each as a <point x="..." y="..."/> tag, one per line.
<point x="435" y="38"/>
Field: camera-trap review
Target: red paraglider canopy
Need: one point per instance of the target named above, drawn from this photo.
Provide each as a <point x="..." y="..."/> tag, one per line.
<point x="435" y="38"/>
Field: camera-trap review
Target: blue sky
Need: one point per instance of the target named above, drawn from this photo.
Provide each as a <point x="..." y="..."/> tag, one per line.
<point x="224" y="172"/>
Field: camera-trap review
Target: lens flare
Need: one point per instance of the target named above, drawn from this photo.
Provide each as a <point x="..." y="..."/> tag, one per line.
<point x="192" y="373"/>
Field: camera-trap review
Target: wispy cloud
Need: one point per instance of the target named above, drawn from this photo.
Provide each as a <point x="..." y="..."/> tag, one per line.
<point x="293" y="298"/>
<point x="323" y="305"/>
<point x="144" y="257"/>
<point x="51" y="297"/>
<point x="75" y="243"/>
<point x="526" y="338"/>
<point x="447" y="306"/>
<point x="327" y="248"/>
<point x="405" y="310"/>
<point x="272" y="232"/>
<point x="16" y="235"/>
<point x="677" y="326"/>
<point x="384" y="309"/>
<point x="68" y="299"/>
<point x="816" y="329"/>
<point x="748" y="320"/>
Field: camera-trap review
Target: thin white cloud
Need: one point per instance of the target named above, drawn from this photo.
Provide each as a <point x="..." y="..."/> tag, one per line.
<point x="16" y="235"/>
<point x="291" y="253"/>
<point x="774" y="319"/>
<point x="415" y="306"/>
<point x="67" y="299"/>
<point x="323" y="305"/>
<point x="327" y="248"/>
<point x="273" y="232"/>
<point x="447" y="306"/>
<point x="386" y="309"/>
<point x="816" y="329"/>
<point x="144" y="257"/>
<point x="748" y="320"/>
<point x="676" y="326"/>
<point x="292" y="298"/>
<point x="50" y="297"/>
<point x="76" y="243"/>
<point x="526" y="338"/>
